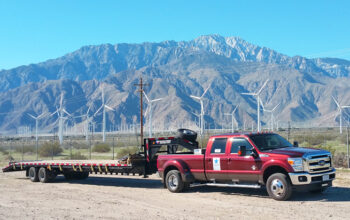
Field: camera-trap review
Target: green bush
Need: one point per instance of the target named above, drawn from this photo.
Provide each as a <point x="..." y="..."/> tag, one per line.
<point x="26" y="149"/>
<point x="50" y="149"/>
<point x="123" y="151"/>
<point x="76" y="156"/>
<point x="101" y="148"/>
<point x="3" y="151"/>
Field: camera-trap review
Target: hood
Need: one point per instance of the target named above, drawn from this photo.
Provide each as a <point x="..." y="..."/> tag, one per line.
<point x="297" y="151"/>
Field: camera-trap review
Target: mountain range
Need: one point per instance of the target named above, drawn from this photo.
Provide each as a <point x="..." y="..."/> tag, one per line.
<point x="302" y="87"/>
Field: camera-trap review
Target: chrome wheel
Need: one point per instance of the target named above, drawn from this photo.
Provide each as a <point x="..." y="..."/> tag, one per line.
<point x="173" y="182"/>
<point x="277" y="187"/>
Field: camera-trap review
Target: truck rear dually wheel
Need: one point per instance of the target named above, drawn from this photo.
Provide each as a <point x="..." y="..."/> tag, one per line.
<point x="279" y="187"/>
<point x="174" y="181"/>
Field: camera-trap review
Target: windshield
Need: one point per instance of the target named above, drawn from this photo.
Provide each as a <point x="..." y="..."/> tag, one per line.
<point x="269" y="141"/>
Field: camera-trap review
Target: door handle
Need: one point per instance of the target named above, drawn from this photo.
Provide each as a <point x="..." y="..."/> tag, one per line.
<point x="209" y="159"/>
<point x="229" y="159"/>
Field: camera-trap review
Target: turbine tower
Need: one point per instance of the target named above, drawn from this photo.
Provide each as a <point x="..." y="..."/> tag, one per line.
<point x="257" y="96"/>
<point x="60" y="112"/>
<point x="340" y="109"/>
<point x="103" y="107"/>
<point x="201" y="122"/>
<point x="271" y="112"/>
<point x="87" y="123"/>
<point x="36" y="130"/>
<point x="149" y="111"/>
<point x="232" y="114"/>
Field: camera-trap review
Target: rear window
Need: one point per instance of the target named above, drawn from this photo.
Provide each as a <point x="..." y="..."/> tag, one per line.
<point x="219" y="146"/>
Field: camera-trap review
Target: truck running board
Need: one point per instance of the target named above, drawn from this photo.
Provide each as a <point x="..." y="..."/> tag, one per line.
<point x="252" y="186"/>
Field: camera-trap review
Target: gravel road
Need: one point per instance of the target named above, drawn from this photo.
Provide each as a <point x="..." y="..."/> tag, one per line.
<point x="122" y="197"/>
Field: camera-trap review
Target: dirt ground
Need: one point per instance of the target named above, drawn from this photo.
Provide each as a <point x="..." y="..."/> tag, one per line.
<point x="122" y="197"/>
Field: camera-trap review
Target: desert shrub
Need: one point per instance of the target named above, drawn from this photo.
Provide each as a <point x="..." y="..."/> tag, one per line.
<point x="340" y="160"/>
<point x="26" y="149"/>
<point x="123" y="151"/>
<point x="101" y="148"/>
<point x="76" y="156"/>
<point x="8" y="158"/>
<point x="50" y="149"/>
<point x="80" y="145"/>
<point x="3" y="151"/>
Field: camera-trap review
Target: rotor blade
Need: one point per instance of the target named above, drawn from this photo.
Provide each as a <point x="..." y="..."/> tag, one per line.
<point x="345" y="106"/>
<point x="64" y="110"/>
<point x="247" y="93"/>
<point x="228" y="114"/>
<point x="98" y="110"/>
<point x="42" y="115"/>
<point x="262" y="87"/>
<point x="156" y="100"/>
<point x="205" y="91"/>
<point x="146" y="96"/>
<point x="54" y="113"/>
<point x="234" y="110"/>
<point x="31" y="116"/>
<point x="109" y="108"/>
<point x="261" y="103"/>
<point x="336" y="102"/>
<point x="87" y="113"/>
<point x="147" y="110"/>
<point x="275" y="107"/>
<point x="195" y="97"/>
<point x="195" y="114"/>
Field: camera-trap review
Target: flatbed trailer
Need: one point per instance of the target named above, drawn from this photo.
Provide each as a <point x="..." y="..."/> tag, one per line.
<point x="144" y="163"/>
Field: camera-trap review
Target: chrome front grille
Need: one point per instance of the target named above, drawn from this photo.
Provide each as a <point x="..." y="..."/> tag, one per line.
<point x="318" y="163"/>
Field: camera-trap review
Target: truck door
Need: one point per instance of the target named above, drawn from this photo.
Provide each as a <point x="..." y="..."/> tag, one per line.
<point x="242" y="168"/>
<point x="216" y="160"/>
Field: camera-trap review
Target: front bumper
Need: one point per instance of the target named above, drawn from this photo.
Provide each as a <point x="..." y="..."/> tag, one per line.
<point x="308" y="178"/>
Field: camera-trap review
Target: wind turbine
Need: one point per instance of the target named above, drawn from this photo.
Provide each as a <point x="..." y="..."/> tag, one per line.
<point x="271" y="112"/>
<point x="36" y="130"/>
<point x="340" y="108"/>
<point x="87" y="122"/>
<point x="201" y="122"/>
<point x="103" y="107"/>
<point x="233" y="118"/>
<point x="60" y="112"/>
<point x="149" y="111"/>
<point x="257" y="96"/>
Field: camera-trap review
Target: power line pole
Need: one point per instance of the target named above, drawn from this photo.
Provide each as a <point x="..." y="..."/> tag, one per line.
<point x="141" y="91"/>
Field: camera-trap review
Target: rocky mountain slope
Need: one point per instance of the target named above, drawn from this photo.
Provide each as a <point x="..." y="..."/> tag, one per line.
<point x="175" y="70"/>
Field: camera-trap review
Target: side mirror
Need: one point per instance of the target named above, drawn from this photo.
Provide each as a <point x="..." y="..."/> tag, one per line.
<point x="242" y="150"/>
<point x="296" y="144"/>
<point x="254" y="154"/>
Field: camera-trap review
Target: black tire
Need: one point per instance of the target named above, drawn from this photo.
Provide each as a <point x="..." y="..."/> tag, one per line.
<point x="68" y="176"/>
<point x="279" y="187"/>
<point x="82" y="176"/>
<point x="43" y="175"/>
<point x="187" y="134"/>
<point x="174" y="181"/>
<point x="33" y="174"/>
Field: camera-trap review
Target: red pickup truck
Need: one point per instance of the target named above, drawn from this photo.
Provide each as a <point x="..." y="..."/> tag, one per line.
<point x="251" y="160"/>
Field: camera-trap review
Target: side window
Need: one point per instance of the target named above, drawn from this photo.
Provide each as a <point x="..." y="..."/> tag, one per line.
<point x="240" y="142"/>
<point x="219" y="146"/>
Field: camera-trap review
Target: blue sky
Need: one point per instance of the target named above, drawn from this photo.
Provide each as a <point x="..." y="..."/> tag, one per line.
<point x="34" y="31"/>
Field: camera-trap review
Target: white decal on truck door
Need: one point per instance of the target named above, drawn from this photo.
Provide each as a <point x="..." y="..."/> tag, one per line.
<point x="216" y="163"/>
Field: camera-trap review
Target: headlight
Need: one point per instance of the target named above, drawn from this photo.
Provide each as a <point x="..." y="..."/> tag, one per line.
<point x="296" y="163"/>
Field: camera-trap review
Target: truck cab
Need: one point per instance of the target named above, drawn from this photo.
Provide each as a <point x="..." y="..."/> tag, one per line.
<point x="252" y="160"/>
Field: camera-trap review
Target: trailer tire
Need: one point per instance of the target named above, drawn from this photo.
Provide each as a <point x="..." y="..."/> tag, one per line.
<point x="33" y="174"/>
<point x="82" y="176"/>
<point x="187" y="134"/>
<point x="68" y="176"/>
<point x="279" y="187"/>
<point x="174" y="181"/>
<point x="43" y="175"/>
